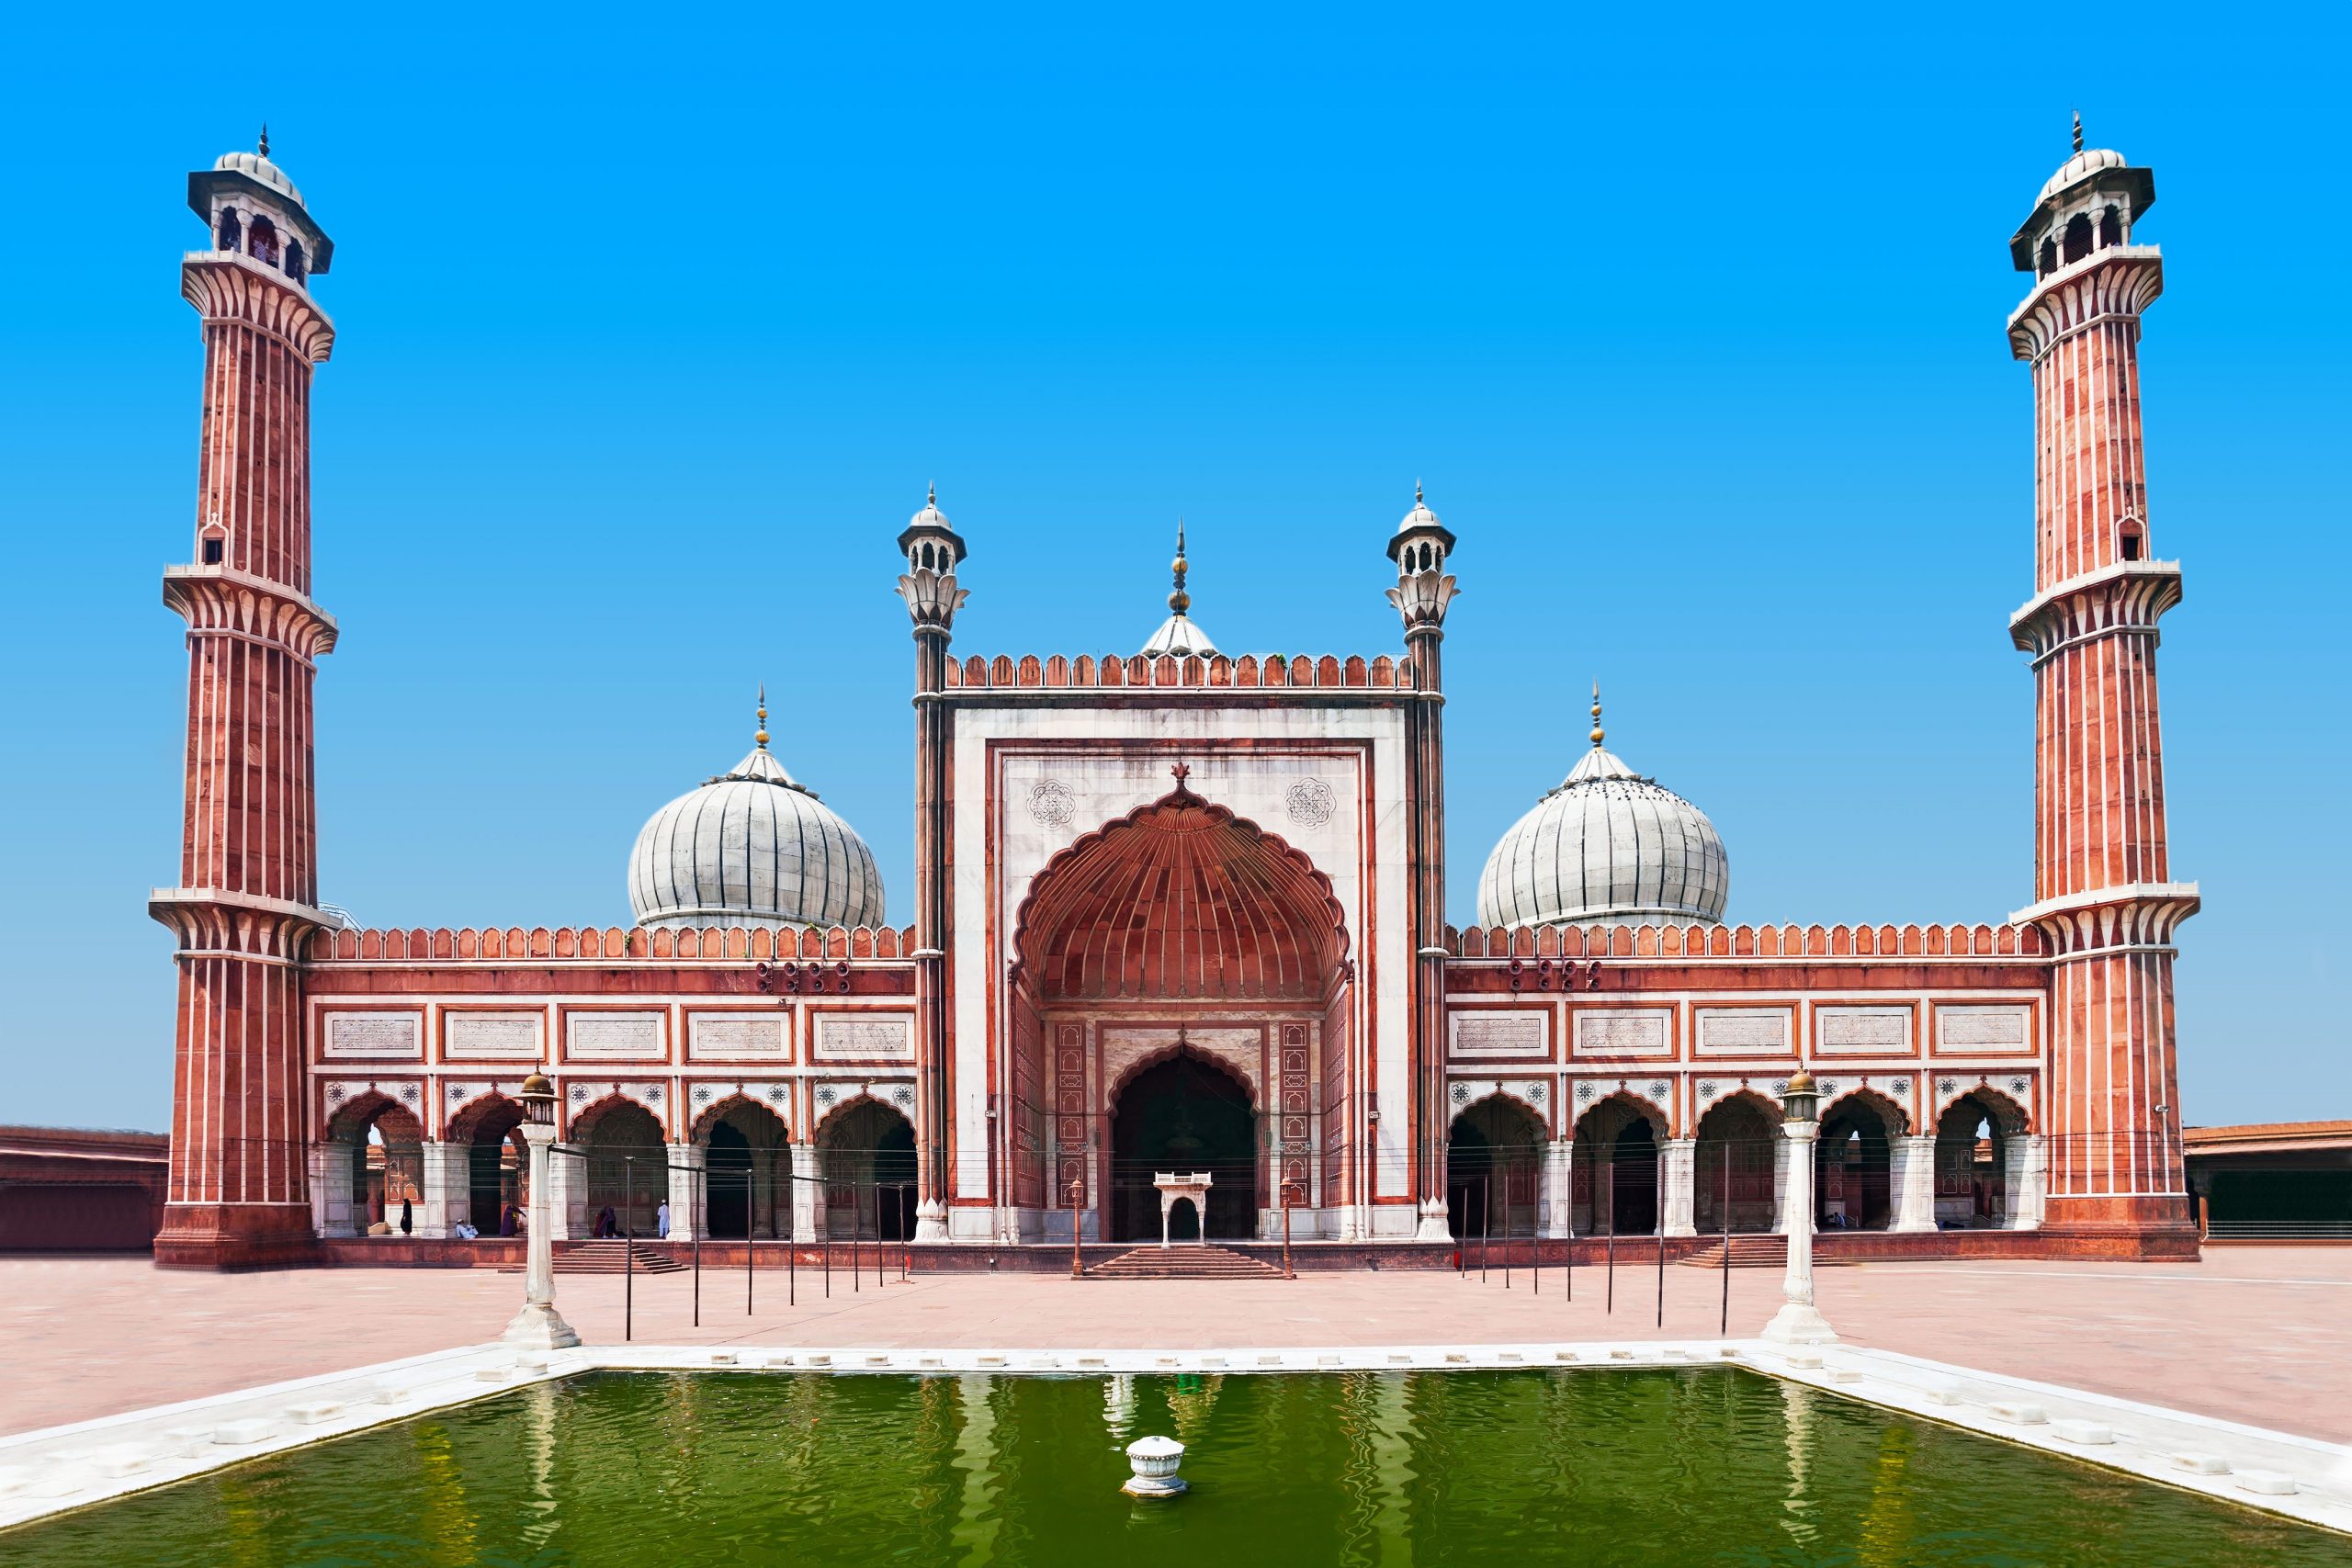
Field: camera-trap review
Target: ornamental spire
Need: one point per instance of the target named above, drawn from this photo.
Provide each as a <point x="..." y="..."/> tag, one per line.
<point x="1180" y="601"/>
<point x="760" y="737"/>
<point x="265" y="139"/>
<point x="2078" y="130"/>
<point x="1598" y="733"/>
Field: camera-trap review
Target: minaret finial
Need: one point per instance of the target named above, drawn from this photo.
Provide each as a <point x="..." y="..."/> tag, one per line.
<point x="1596" y="732"/>
<point x="930" y="493"/>
<point x="2078" y="130"/>
<point x="760" y="737"/>
<point x="1417" y="492"/>
<point x="1180" y="601"/>
<point x="265" y="139"/>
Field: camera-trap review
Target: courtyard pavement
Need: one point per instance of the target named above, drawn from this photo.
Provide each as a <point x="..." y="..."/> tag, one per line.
<point x="2261" y="1336"/>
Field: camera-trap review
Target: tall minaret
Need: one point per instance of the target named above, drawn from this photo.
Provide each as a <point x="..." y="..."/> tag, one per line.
<point x="2103" y="891"/>
<point x="1424" y="590"/>
<point x="248" y="883"/>
<point x="934" y="549"/>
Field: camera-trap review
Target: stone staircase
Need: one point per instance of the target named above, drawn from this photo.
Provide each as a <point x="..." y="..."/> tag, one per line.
<point x="610" y="1257"/>
<point x="1769" y="1251"/>
<point x="1185" y="1261"/>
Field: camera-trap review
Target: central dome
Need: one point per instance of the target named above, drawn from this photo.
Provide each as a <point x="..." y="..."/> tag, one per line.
<point x="1606" y="845"/>
<point x="753" y="847"/>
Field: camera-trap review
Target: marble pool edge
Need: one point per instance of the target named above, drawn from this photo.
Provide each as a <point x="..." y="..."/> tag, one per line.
<point x="61" y="1469"/>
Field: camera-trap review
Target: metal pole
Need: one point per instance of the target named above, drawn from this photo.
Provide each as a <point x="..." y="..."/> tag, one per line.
<point x="1657" y="1227"/>
<point x="698" y="1271"/>
<point x="825" y="1220"/>
<point x="1571" y="1266"/>
<point x="1539" y="1231"/>
<point x="1506" y="1226"/>
<point x="629" y="1247"/>
<point x="1077" y="1263"/>
<point x="748" y="1229"/>
<point x="1725" y="1329"/>
<point x="1611" y="1304"/>
<point x="1288" y="1273"/>
<point x="856" y="1234"/>
<point x="791" y="1239"/>
<point x="1487" y="1216"/>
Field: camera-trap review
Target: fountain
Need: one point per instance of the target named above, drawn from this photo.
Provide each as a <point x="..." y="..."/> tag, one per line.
<point x="1154" y="1460"/>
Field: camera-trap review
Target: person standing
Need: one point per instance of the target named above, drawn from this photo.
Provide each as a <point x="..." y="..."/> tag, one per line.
<point x="662" y="1220"/>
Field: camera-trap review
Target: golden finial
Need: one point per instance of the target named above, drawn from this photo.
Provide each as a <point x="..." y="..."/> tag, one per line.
<point x="759" y="738"/>
<point x="1596" y="716"/>
<point x="265" y="139"/>
<point x="2078" y="130"/>
<point x="1180" y="601"/>
<point x="930" y="493"/>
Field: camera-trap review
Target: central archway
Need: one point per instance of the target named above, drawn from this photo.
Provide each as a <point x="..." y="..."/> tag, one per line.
<point x="1186" y="1113"/>
<point x="1179" y="995"/>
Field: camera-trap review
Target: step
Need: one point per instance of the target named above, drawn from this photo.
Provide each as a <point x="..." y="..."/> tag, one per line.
<point x="1190" y="1260"/>
<point x="1750" y="1251"/>
<point x="612" y="1257"/>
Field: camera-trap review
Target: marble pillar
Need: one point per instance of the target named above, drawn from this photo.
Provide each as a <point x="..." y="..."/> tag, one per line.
<point x="1913" y="1179"/>
<point x="1676" y="1171"/>
<point x="2024" y="1179"/>
<point x="807" y="1197"/>
<point x="567" y="1204"/>
<point x="330" y="1189"/>
<point x="445" y="1187"/>
<point x="1559" y="1187"/>
<point x="689" y="1203"/>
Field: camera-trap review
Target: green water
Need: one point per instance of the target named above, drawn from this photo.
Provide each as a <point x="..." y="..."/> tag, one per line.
<point x="1701" y="1464"/>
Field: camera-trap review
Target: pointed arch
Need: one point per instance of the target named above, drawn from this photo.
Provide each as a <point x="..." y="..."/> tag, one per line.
<point x="1181" y="897"/>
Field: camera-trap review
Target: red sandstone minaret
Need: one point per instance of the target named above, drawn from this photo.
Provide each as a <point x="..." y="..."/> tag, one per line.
<point x="2103" y="891"/>
<point x="248" y="882"/>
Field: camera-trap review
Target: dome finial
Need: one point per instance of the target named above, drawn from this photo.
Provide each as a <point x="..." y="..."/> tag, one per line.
<point x="760" y="737"/>
<point x="1180" y="601"/>
<point x="1417" y="492"/>
<point x="930" y="493"/>
<point x="1596" y="732"/>
<point x="265" y="139"/>
<point x="2078" y="130"/>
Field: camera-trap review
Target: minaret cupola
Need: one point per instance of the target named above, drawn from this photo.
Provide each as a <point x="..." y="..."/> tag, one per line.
<point x="254" y="211"/>
<point x="1420" y="548"/>
<point x="2088" y="206"/>
<point x="934" y="549"/>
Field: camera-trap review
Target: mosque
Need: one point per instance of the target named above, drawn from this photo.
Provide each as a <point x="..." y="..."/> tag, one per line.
<point x="1175" y="909"/>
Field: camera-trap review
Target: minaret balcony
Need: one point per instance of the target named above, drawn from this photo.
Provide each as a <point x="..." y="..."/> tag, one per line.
<point x="2123" y="596"/>
<point x="223" y="600"/>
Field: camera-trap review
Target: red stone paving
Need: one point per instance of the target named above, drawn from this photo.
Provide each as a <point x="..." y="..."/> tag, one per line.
<point x="2262" y="1336"/>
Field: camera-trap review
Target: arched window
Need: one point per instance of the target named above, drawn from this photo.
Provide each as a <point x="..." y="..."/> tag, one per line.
<point x="2078" y="237"/>
<point x="2110" y="229"/>
<point x="230" y="230"/>
<point x="294" y="260"/>
<point x="2128" y="541"/>
<point x="2048" y="257"/>
<point x="264" y="237"/>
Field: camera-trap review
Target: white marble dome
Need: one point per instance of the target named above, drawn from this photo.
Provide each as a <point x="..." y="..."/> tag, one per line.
<point x="258" y="166"/>
<point x="1606" y="845"/>
<point x="753" y="847"/>
<point x="2081" y="166"/>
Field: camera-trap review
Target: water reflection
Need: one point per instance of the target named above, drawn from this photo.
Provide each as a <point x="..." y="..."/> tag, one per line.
<point x="1586" y="1466"/>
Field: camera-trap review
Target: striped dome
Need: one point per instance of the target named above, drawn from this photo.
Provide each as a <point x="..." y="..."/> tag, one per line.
<point x="753" y="847"/>
<point x="1606" y="845"/>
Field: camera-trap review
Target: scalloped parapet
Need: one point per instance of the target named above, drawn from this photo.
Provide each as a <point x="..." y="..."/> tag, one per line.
<point x="2005" y="941"/>
<point x="619" y="944"/>
<point x="1250" y="672"/>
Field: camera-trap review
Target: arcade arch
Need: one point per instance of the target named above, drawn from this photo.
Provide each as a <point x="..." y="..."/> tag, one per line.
<point x="1976" y="1137"/>
<point x="1739" y="1147"/>
<point x="377" y="1147"/>
<point x="1494" y="1169"/>
<point x="1185" y="1111"/>
<point x="1614" y="1161"/>
<point x="626" y="1167"/>
<point x="1854" y="1162"/>
<point x="498" y="1165"/>
<point x="747" y="1170"/>
<point x="866" y="1158"/>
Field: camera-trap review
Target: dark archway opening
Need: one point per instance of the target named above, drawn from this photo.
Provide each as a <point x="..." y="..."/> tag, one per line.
<point x="729" y="1175"/>
<point x="867" y="1155"/>
<point x="1972" y="1189"/>
<point x="497" y="1170"/>
<point x="628" y="1170"/>
<point x="1737" y="1143"/>
<point x="1855" y="1169"/>
<point x="1186" y="1114"/>
<point x="1494" y="1167"/>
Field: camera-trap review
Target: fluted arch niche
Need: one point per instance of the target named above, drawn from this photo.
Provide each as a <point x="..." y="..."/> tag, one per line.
<point x="1177" y="921"/>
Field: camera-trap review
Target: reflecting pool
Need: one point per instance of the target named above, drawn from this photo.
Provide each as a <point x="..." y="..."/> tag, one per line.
<point x="1709" y="1465"/>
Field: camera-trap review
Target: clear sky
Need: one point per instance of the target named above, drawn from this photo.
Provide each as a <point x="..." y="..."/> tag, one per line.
<point x="653" y="327"/>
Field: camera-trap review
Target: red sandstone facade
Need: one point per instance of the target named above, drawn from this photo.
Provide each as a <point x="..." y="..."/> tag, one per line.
<point x="1273" y="914"/>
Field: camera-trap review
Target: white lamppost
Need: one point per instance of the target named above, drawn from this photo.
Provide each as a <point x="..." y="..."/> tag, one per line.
<point x="538" y="1324"/>
<point x="1799" y="1322"/>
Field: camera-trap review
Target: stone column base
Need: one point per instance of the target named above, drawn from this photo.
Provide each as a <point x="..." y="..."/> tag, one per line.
<point x="1432" y="1226"/>
<point x="930" y="1223"/>
<point x="538" y="1326"/>
<point x="1799" y="1323"/>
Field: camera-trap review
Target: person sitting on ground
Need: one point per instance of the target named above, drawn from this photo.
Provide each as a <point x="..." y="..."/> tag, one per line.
<point x="466" y="1231"/>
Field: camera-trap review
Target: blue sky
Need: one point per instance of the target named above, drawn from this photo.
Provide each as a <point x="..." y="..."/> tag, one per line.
<point x="651" y="336"/>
